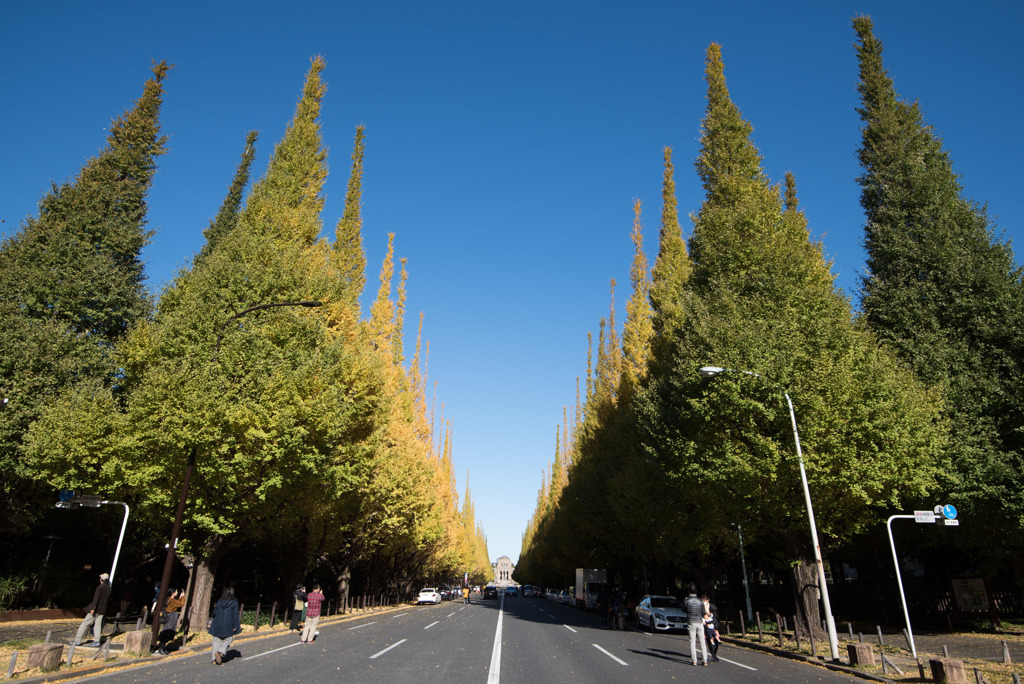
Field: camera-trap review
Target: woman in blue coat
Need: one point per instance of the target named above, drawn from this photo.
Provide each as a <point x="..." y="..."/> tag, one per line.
<point x="226" y="623"/>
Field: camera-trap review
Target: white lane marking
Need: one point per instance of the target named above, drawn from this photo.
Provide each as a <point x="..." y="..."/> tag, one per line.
<point x="452" y="613"/>
<point x="399" y="615"/>
<point x="365" y="624"/>
<point x="570" y="629"/>
<point x="272" y="651"/>
<point x="394" y="645"/>
<point x="431" y="624"/>
<point x="733" y="662"/>
<point x="620" y="662"/>
<point x="494" y="674"/>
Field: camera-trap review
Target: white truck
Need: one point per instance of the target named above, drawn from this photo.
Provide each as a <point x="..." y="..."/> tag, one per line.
<point x="589" y="583"/>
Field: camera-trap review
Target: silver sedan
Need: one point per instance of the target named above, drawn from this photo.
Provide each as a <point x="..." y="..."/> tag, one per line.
<point x="660" y="613"/>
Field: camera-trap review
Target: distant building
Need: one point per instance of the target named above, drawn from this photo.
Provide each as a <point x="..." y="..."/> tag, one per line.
<point x="503" y="570"/>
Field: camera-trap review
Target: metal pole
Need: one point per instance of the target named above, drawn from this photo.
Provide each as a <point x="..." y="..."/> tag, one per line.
<point x="899" y="580"/>
<point x="190" y="466"/>
<point x="743" y="564"/>
<point x="833" y="639"/>
<point x="124" y="524"/>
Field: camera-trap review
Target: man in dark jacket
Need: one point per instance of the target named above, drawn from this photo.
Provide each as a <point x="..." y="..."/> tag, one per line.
<point x="94" y="613"/>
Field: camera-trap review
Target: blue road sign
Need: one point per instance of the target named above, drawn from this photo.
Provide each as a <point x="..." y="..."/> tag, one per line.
<point x="67" y="494"/>
<point x="949" y="510"/>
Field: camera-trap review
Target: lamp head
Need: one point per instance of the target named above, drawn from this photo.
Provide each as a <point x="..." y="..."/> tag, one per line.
<point x="711" y="371"/>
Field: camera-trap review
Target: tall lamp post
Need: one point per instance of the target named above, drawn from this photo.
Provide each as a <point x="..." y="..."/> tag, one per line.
<point x="743" y="565"/>
<point x="190" y="466"/>
<point x="830" y="623"/>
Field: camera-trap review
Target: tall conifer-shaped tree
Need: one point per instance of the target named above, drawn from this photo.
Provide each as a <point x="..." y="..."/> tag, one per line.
<point x="72" y="284"/>
<point x="945" y="294"/>
<point x="638" y="329"/>
<point x="761" y="299"/>
<point x="227" y="216"/>
<point x="348" y="237"/>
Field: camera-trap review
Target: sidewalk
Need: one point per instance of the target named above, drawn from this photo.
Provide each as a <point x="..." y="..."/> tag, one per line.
<point x="86" y="663"/>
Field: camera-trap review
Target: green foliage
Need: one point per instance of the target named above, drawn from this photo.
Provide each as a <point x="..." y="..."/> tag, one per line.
<point x="943" y="293"/>
<point x="71" y="285"/>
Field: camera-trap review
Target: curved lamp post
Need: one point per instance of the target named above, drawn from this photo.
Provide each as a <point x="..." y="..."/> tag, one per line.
<point x="190" y="466"/>
<point x="833" y="641"/>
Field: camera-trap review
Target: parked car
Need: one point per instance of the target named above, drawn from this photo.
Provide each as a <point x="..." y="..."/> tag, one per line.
<point x="564" y="597"/>
<point x="428" y="595"/>
<point x="490" y="592"/>
<point x="511" y="591"/>
<point x="445" y="591"/>
<point x="660" y="613"/>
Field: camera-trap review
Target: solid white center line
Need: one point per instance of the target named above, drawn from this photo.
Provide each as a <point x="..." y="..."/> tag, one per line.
<point x="733" y="662"/>
<point x="273" y="651"/>
<point x="365" y="624"/>
<point x="431" y="624"/>
<point x="380" y="653"/>
<point x="494" y="675"/>
<point x="620" y="662"/>
<point x="570" y="629"/>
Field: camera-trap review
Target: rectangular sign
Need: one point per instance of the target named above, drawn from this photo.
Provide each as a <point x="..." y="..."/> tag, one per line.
<point x="951" y="522"/>
<point x="924" y="516"/>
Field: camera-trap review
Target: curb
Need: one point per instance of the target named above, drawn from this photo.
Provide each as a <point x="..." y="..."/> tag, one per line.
<point x="89" y="671"/>
<point x="783" y="653"/>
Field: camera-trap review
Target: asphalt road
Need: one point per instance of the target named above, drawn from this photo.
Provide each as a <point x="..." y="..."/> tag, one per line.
<point x="508" y="641"/>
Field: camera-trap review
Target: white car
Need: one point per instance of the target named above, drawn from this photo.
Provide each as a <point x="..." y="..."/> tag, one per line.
<point x="428" y="595"/>
<point x="660" y="613"/>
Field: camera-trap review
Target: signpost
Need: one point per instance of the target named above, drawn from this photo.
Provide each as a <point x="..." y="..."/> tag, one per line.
<point x="945" y="513"/>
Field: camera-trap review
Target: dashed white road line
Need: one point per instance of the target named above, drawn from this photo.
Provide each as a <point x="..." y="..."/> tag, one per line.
<point x="618" y="660"/>
<point x="451" y="613"/>
<point x="570" y="629"/>
<point x="272" y="651"/>
<point x="394" y="645"/>
<point x="733" y="662"/>
<point x="365" y="624"/>
<point x="399" y="615"/>
<point x="432" y="624"/>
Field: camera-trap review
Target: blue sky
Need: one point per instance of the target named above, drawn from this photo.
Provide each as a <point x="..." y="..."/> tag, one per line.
<point x="505" y="144"/>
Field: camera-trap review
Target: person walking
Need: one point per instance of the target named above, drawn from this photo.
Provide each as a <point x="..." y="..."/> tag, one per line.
<point x="465" y="594"/>
<point x="298" y="604"/>
<point x="94" y="613"/>
<point x="695" y="625"/>
<point x="175" y="602"/>
<point x="314" y="600"/>
<point x="224" y="625"/>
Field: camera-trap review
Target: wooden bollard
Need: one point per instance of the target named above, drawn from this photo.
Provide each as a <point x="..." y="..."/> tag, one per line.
<point x="256" y="620"/>
<point x="796" y="632"/>
<point x="273" y="614"/>
<point x="814" y="646"/>
<point x="760" y="634"/>
<point x="14" y="662"/>
<point x="945" y="651"/>
<point x="1006" y="653"/>
<point x="778" y="623"/>
<point x="881" y="639"/>
<point x="743" y="626"/>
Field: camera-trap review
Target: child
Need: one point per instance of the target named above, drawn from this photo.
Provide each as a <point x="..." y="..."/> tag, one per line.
<point x="712" y="634"/>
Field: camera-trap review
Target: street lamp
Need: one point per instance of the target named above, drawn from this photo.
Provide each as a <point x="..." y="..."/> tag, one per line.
<point x="743" y="565"/>
<point x="833" y="641"/>
<point x="190" y="466"/>
<point x="94" y="502"/>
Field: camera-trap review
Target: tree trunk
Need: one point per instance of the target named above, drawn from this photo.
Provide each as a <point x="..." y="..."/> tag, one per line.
<point x="203" y="573"/>
<point x="344" y="584"/>
<point x="805" y="597"/>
